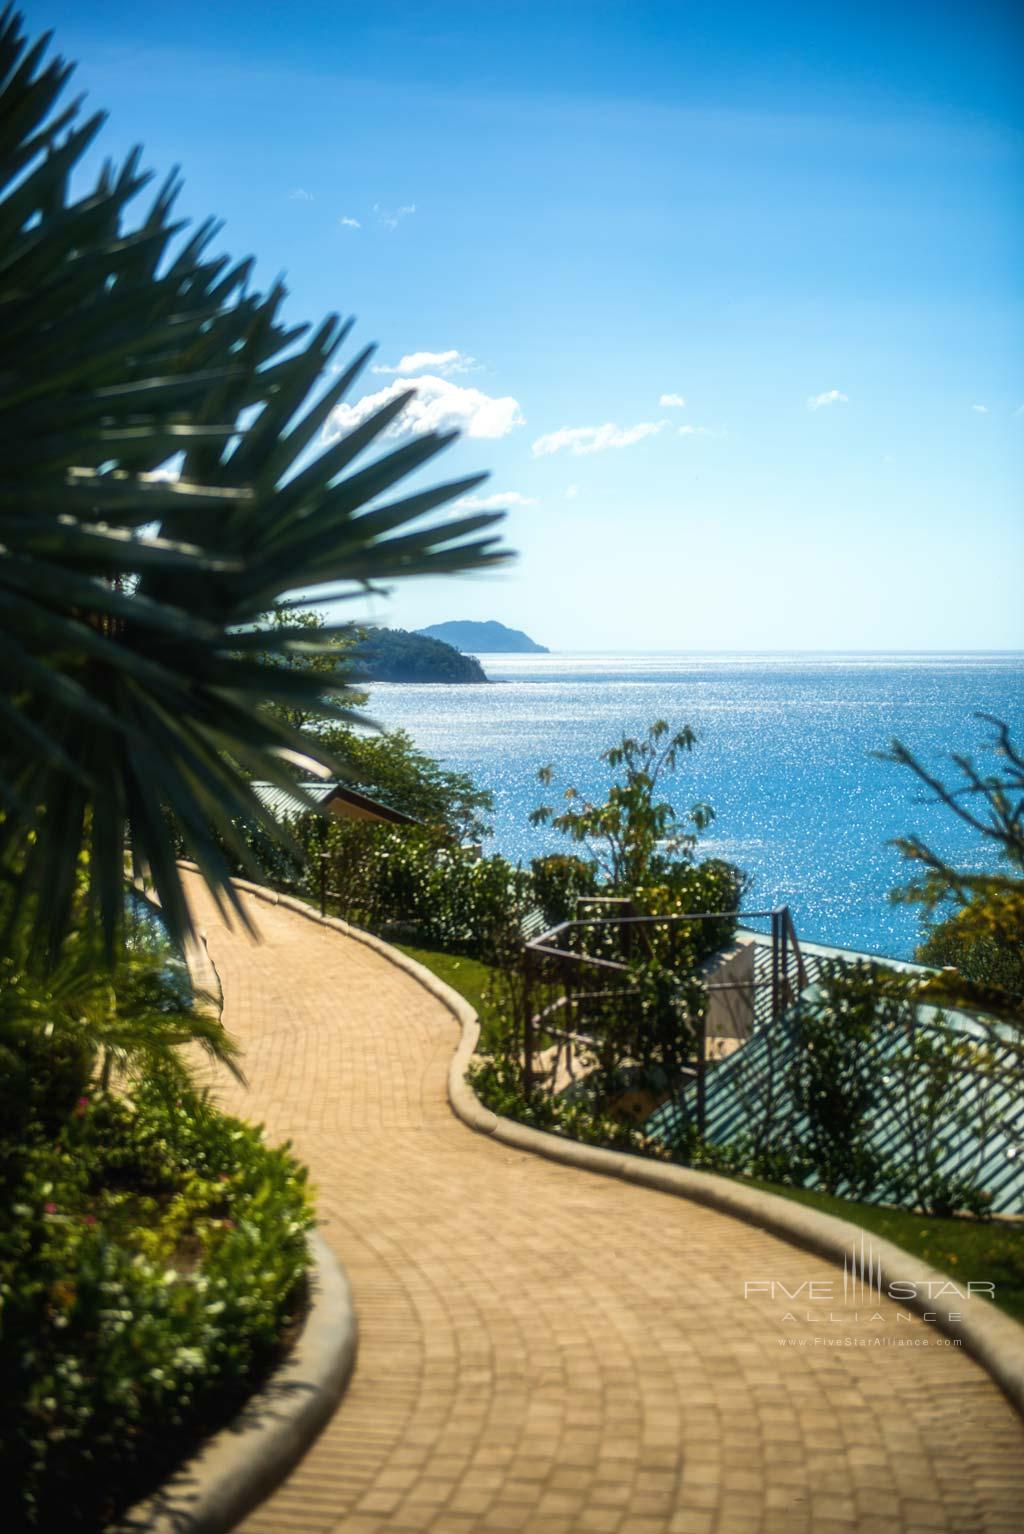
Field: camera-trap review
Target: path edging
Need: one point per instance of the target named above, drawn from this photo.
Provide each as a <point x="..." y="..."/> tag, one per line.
<point x="242" y="1464"/>
<point x="993" y="1339"/>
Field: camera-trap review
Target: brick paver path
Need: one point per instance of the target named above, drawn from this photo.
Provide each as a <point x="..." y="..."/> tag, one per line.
<point x="546" y="1350"/>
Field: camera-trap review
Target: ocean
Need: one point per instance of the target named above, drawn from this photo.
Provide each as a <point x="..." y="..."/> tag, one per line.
<point x="784" y="757"/>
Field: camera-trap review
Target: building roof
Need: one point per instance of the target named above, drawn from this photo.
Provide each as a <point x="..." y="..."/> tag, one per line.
<point x="339" y="798"/>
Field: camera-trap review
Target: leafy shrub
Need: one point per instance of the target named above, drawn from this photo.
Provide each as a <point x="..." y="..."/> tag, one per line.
<point x="983" y="940"/>
<point x="498" y="1083"/>
<point x="559" y="881"/>
<point x="85" y="1020"/>
<point x="41" y="1079"/>
<point x="150" y="1258"/>
<point x="709" y="888"/>
<point x="860" y="1067"/>
<point x="740" y="1156"/>
<point x="833" y="1081"/>
<point x="979" y="942"/>
<point x="860" y="1050"/>
<point x="390" y="767"/>
<point x="666" y="1009"/>
<point x="937" y="1083"/>
<point x="648" y="1015"/>
<point x="416" y="877"/>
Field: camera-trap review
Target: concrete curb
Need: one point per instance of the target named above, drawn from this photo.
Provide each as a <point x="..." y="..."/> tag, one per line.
<point x="993" y="1339"/>
<point x="242" y="1464"/>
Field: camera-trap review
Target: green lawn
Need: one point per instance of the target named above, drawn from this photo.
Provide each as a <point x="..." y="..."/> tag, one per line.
<point x="469" y="977"/>
<point x="983" y="1250"/>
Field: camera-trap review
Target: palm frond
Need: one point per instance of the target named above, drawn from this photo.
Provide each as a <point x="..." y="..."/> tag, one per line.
<point x="137" y="677"/>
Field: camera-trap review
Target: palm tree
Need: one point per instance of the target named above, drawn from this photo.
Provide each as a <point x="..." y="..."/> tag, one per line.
<point x="135" y="669"/>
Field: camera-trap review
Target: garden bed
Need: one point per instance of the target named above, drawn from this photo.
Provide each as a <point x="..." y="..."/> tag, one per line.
<point x="153" y="1254"/>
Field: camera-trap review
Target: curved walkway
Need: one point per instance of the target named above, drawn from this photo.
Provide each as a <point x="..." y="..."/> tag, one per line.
<point x="550" y="1351"/>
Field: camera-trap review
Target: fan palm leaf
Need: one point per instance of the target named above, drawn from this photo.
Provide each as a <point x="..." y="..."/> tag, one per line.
<point x="136" y="667"/>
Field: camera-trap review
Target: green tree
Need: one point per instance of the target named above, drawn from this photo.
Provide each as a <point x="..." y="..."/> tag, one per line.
<point x="976" y="916"/>
<point x="135" y="668"/>
<point x="634" y="837"/>
<point x="390" y="767"/>
<point x="644" y="848"/>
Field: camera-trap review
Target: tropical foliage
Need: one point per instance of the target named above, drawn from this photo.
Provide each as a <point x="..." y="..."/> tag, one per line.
<point x="976" y="916"/>
<point x="498" y="1082"/>
<point x="628" y="993"/>
<point x="560" y="881"/>
<point x="83" y="1024"/>
<point x="151" y="1252"/>
<point x="867" y="1093"/>
<point x="858" y="1097"/>
<point x="415" y="881"/>
<point x="634" y="837"/>
<point x="170" y="472"/>
<point x="390" y="767"/>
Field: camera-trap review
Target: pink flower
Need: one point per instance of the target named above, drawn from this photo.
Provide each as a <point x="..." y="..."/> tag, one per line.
<point x="81" y="1107"/>
<point x="49" y="1208"/>
<point x="89" y="1219"/>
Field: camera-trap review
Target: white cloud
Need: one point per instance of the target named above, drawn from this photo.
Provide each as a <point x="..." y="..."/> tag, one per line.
<point x="438" y="362"/>
<point x="437" y="405"/>
<point x="830" y="397"/>
<point x="572" y="491"/>
<point x="594" y="439"/>
<point x="981" y="409"/>
<point x="695" y="431"/>
<point x="392" y="217"/>
<point x="299" y="194"/>
<point x="672" y="402"/>
<point x="349" y="223"/>
<point x="494" y="502"/>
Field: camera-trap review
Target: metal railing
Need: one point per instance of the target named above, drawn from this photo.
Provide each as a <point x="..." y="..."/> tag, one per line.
<point x="579" y="977"/>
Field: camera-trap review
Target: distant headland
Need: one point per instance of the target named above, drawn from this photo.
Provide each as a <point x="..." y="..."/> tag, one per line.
<point x="395" y="655"/>
<point x="489" y="638"/>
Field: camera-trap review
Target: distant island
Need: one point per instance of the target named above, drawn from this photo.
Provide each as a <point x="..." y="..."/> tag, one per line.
<point x="394" y="655"/>
<point x="488" y="638"/>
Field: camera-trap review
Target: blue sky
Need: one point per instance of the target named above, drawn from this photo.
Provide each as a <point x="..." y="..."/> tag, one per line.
<point x="802" y="221"/>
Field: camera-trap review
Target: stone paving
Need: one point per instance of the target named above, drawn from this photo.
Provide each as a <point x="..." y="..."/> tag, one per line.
<point x="546" y="1350"/>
